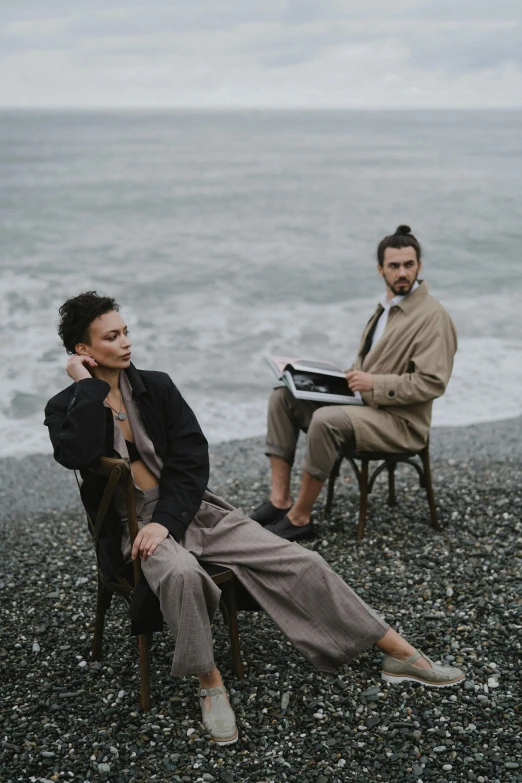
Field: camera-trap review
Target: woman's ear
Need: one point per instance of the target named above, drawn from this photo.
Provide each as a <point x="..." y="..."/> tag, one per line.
<point x="81" y="349"/>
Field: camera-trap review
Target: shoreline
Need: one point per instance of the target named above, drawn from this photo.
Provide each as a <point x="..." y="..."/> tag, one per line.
<point x="37" y="484"/>
<point x="497" y="441"/>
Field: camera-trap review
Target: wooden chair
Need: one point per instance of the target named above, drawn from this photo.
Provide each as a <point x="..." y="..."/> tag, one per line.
<point x="118" y="470"/>
<point x="366" y="480"/>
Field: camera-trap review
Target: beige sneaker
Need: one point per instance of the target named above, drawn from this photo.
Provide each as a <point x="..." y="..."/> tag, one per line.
<point x="437" y="676"/>
<point x="220" y="721"/>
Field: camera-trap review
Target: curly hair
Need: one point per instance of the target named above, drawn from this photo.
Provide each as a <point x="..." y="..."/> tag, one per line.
<point x="402" y="238"/>
<point x="78" y="313"/>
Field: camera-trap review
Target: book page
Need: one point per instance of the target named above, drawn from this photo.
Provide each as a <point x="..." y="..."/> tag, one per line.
<point x="278" y="363"/>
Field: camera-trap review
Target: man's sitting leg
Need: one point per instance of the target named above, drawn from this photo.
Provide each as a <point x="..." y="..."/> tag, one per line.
<point x="280" y="501"/>
<point x="330" y="430"/>
<point x="286" y="417"/>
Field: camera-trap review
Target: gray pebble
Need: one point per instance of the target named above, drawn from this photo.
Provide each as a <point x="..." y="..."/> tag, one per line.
<point x="373" y="691"/>
<point x="56" y="698"/>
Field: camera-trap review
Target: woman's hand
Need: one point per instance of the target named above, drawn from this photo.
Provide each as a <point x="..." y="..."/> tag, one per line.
<point x="77" y="367"/>
<point x="148" y="540"/>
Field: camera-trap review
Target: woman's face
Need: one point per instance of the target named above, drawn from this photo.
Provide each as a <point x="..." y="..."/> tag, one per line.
<point x="109" y="342"/>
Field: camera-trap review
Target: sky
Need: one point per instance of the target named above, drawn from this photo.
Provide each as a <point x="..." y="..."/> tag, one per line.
<point x="282" y="54"/>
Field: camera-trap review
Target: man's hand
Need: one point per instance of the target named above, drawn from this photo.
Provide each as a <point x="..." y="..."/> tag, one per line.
<point x="148" y="540"/>
<point x="77" y="367"/>
<point x="360" y="381"/>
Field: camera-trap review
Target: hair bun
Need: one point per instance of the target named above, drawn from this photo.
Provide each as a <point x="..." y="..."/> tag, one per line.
<point x="403" y="230"/>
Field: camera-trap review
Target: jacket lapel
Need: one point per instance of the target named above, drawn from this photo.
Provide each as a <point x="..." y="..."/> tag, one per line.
<point x="151" y="410"/>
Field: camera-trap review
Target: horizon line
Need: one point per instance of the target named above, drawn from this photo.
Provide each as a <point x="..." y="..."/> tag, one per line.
<point x="288" y="109"/>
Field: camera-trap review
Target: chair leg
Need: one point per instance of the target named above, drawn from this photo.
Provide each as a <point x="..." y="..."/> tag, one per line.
<point x="228" y="592"/>
<point x="143" y="646"/>
<point x="425" y="457"/>
<point x="331" y="486"/>
<point x="392" y="499"/>
<point x="103" y="602"/>
<point x="363" y="501"/>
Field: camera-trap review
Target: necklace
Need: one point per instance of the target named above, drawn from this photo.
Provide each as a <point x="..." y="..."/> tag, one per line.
<point x="120" y="415"/>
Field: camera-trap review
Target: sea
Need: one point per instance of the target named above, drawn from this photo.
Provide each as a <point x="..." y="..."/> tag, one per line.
<point x="227" y="236"/>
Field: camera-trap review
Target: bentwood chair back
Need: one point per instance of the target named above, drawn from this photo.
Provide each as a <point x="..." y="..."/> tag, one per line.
<point x="118" y="471"/>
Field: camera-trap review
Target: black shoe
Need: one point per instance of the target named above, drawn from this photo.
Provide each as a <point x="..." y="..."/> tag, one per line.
<point x="267" y="513"/>
<point x="285" y="529"/>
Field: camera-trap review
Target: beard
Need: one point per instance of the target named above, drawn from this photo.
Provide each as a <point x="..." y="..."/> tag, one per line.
<point x="403" y="289"/>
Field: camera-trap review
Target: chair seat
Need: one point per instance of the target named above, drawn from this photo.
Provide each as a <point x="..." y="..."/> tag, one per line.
<point x="217" y="572"/>
<point x="377" y="456"/>
<point x="222" y="574"/>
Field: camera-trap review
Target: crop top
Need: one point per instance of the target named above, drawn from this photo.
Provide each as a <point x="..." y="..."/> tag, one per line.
<point x="134" y="454"/>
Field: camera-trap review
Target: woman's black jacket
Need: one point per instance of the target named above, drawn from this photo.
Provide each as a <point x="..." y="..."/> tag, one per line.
<point x="81" y="429"/>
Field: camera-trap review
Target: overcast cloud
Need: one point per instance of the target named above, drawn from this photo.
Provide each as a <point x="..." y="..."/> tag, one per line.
<point x="275" y="53"/>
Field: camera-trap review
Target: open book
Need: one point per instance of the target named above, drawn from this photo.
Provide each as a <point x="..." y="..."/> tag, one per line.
<point x="316" y="381"/>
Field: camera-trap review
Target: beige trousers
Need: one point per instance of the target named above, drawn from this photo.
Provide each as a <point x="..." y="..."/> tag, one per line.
<point x="315" y="609"/>
<point x="328" y="429"/>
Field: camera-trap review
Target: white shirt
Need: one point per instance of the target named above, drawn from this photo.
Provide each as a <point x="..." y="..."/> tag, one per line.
<point x="388" y="304"/>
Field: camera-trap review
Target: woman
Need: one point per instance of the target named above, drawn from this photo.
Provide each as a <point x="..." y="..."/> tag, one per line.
<point x="114" y="409"/>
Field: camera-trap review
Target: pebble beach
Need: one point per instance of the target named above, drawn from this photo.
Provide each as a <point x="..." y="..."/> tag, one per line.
<point x="456" y="595"/>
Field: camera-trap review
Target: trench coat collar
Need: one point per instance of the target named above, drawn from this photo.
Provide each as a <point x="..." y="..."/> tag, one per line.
<point x="135" y="380"/>
<point x="413" y="300"/>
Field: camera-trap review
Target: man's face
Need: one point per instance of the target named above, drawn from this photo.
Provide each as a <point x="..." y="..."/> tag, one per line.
<point x="400" y="270"/>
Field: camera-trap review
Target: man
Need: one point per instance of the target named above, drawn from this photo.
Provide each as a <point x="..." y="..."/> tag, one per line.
<point x="404" y="362"/>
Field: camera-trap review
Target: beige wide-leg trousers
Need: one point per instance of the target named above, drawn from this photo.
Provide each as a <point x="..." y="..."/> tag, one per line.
<point x="322" y="617"/>
<point x="328" y="429"/>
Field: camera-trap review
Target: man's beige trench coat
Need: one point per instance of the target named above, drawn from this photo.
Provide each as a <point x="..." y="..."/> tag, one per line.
<point x="411" y="365"/>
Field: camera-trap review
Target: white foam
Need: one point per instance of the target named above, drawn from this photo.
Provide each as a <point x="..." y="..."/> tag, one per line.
<point x="212" y="343"/>
<point x="485" y="385"/>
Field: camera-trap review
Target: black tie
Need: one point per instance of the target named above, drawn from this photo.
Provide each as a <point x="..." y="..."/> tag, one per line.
<point x="369" y="336"/>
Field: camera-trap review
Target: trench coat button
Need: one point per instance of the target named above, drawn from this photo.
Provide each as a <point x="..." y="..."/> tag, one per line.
<point x="72" y="402"/>
<point x="184" y="516"/>
<point x="391" y="393"/>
